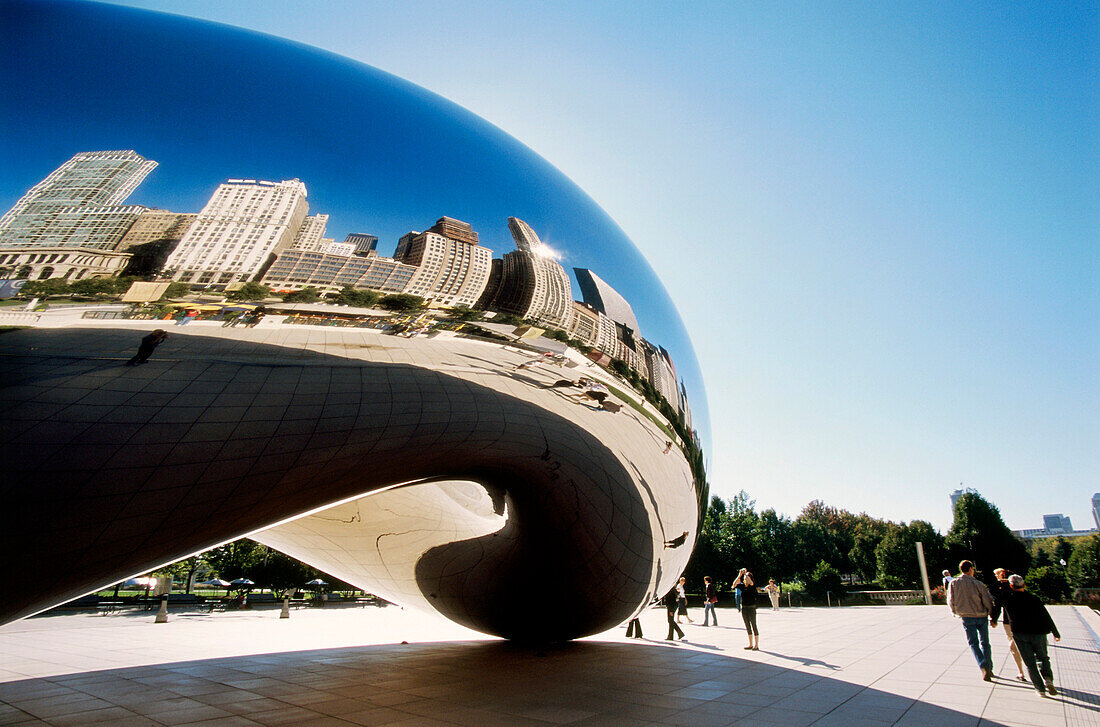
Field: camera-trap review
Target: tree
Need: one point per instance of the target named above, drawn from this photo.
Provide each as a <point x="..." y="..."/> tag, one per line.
<point x="357" y="297"/>
<point x="1048" y="583"/>
<point x="823" y="579"/>
<point x="94" y="286"/>
<point x="45" y="288"/>
<point x="869" y="532"/>
<point x="979" y="534"/>
<point x="234" y="560"/>
<point x="773" y="541"/>
<point x="464" y="313"/>
<point x="1084" y="565"/>
<point x="402" y="302"/>
<point x="249" y="291"/>
<point x="309" y="294"/>
<point x="175" y="289"/>
<point x="896" y="555"/>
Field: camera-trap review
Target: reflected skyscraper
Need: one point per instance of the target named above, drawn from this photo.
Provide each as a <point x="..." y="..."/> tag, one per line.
<point x="605" y="299"/>
<point x="240" y="230"/>
<point x="528" y="282"/>
<point x="452" y="268"/>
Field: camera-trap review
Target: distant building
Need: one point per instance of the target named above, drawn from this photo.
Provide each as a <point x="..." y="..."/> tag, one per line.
<point x="152" y="238"/>
<point x="239" y="232"/>
<point x="602" y="297"/>
<point x="1096" y="510"/>
<point x="1057" y="523"/>
<point x="662" y="374"/>
<point x="296" y="269"/>
<point x="364" y="244"/>
<point x="311" y="233"/>
<point x="70" y="224"/>
<point x="529" y="283"/>
<point x="452" y="268"/>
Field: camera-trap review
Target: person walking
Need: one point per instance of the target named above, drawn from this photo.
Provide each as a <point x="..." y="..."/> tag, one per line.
<point x="946" y="581"/>
<point x="146" y="347"/>
<point x="1031" y="622"/>
<point x="1001" y="589"/>
<point x="672" y="600"/>
<point x="682" y="601"/>
<point x="710" y="600"/>
<point x="773" y="593"/>
<point x="970" y="600"/>
<point x="744" y="585"/>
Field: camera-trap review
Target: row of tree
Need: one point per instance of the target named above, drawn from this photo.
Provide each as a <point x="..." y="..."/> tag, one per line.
<point x="825" y="546"/>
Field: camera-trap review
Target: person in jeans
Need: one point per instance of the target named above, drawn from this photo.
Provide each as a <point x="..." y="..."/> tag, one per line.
<point x="1031" y="622"/>
<point x="744" y="585"/>
<point x="709" y="600"/>
<point x="969" y="599"/>
<point x="1000" y="591"/>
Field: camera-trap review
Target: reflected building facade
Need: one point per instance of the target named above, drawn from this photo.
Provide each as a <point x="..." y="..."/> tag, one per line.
<point x="528" y="282"/>
<point x="238" y="232"/>
<point x="447" y="470"/>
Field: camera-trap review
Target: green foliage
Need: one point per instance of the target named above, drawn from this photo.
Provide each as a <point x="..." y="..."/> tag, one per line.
<point x="824" y="578"/>
<point x="896" y="554"/>
<point x="357" y="297"/>
<point x="464" y="313"/>
<point x="175" y="289"/>
<point x="1048" y="583"/>
<point x="979" y="534"/>
<point x="250" y="291"/>
<point x="100" y="286"/>
<point x="45" y="288"/>
<point x="1084" y="564"/>
<point x="309" y="294"/>
<point x="401" y="302"/>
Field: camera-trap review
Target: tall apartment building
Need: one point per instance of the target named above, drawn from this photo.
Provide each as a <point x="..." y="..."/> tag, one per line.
<point x="239" y="232"/>
<point x="70" y="224"/>
<point x="529" y="282"/>
<point x="452" y="268"/>
<point x="311" y="234"/>
<point x="661" y="373"/>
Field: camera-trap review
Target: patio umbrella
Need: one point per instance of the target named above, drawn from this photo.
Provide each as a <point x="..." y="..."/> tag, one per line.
<point x="242" y="583"/>
<point x="217" y="583"/>
<point x="316" y="583"/>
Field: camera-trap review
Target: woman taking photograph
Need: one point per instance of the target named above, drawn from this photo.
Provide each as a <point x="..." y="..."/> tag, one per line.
<point x="744" y="585"/>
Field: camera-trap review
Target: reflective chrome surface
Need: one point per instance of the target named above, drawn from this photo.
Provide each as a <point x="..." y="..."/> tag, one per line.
<point x="455" y="471"/>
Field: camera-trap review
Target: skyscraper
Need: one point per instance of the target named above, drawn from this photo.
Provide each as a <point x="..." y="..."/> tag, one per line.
<point x="532" y="283"/>
<point x="453" y="268"/>
<point x="364" y="244"/>
<point x="239" y="232"/>
<point x="78" y="205"/>
<point x="1096" y="510"/>
<point x="605" y="299"/>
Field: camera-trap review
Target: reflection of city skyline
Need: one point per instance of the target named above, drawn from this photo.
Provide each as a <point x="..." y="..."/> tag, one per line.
<point x="72" y="225"/>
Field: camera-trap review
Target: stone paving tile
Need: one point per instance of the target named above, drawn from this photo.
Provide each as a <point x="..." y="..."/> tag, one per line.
<point x="346" y="667"/>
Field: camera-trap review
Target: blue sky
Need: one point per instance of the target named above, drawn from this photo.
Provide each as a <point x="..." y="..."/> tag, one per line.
<point x="878" y="221"/>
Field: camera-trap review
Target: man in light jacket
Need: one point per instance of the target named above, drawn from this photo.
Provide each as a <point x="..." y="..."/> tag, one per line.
<point x="969" y="599"/>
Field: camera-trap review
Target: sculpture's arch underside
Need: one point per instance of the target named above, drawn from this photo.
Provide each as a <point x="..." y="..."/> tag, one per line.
<point x="429" y="471"/>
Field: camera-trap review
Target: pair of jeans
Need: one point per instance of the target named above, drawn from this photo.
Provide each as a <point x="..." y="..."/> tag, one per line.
<point x="748" y="615"/>
<point x="977" y="635"/>
<point x="708" y="611"/>
<point x="1033" y="650"/>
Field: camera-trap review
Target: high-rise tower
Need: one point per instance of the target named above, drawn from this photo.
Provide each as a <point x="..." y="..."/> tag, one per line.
<point x="532" y="283"/>
<point x="239" y="232"/>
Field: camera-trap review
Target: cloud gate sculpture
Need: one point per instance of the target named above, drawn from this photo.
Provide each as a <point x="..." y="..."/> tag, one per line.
<point x="523" y="454"/>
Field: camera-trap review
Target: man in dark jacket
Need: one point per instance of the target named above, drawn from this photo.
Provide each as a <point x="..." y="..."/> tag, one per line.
<point x="1000" y="590"/>
<point x="1030" y="625"/>
<point x="671" y="601"/>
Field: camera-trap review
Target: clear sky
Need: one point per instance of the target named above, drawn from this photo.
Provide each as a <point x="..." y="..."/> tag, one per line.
<point x="879" y="221"/>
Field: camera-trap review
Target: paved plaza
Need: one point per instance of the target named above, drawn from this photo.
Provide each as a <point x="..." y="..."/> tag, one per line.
<point x="884" y="665"/>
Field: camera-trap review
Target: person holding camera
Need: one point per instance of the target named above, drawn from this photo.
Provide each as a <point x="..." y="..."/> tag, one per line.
<point x="744" y="585"/>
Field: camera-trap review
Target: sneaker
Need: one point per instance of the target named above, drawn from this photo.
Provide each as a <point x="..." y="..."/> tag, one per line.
<point x="748" y="648"/>
<point x="987" y="675"/>
<point x="1042" y="692"/>
<point x="756" y="648"/>
<point x="1051" y="690"/>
